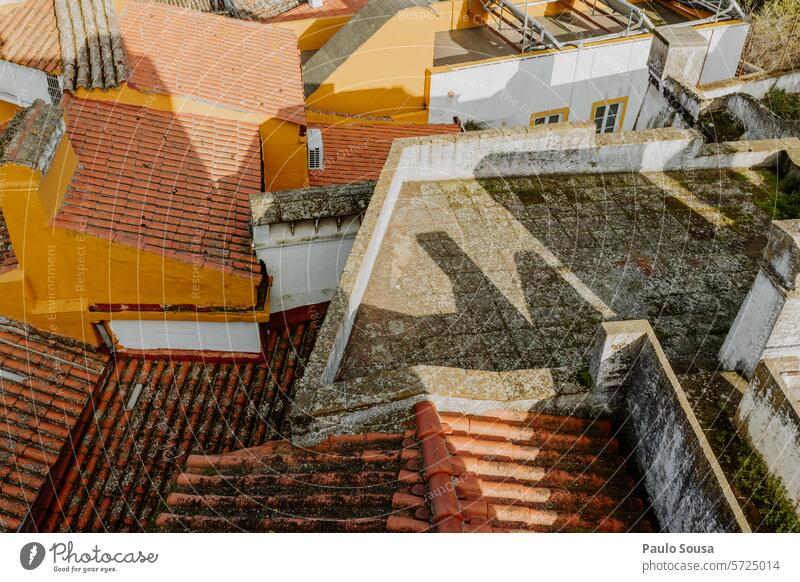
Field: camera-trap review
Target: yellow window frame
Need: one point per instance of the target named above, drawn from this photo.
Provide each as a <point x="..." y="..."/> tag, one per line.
<point x="564" y="111"/>
<point x="623" y="101"/>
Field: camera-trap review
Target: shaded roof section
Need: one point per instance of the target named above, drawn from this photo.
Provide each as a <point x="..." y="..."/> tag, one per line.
<point x="29" y="36"/>
<point x="153" y="410"/>
<point x="311" y="203"/>
<point x="245" y="66"/>
<point x="349" y="38"/>
<point x="447" y="473"/>
<point x="45" y="381"/>
<point x="91" y="50"/>
<point x="357" y="152"/>
<point x="8" y="258"/>
<point x="177" y="185"/>
<point x="328" y="9"/>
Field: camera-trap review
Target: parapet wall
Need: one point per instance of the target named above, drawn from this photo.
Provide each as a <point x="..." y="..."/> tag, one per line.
<point x="684" y="480"/>
<point x="769" y="418"/>
<point x="768" y="322"/>
<point x="559" y="149"/>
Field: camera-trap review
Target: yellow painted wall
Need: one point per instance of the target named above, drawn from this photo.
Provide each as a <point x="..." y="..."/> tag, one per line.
<point x="386" y="75"/>
<point x="285" y="155"/>
<point x="62" y="272"/>
<point x="7" y="111"/>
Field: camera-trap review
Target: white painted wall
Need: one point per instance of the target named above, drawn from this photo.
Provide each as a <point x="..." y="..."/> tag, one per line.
<point x="305" y="266"/>
<point x="22" y="85"/>
<point x="505" y="93"/>
<point x="724" y="51"/>
<point x="187" y="335"/>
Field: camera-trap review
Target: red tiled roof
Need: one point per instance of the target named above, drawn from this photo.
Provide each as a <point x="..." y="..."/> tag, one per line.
<point x="8" y="258"/>
<point x="45" y="381"/>
<point x="452" y="473"/>
<point x="174" y="184"/>
<point x="152" y="411"/>
<point x="29" y="36"/>
<point x="357" y="152"/>
<point x="248" y="66"/>
<point x="328" y="9"/>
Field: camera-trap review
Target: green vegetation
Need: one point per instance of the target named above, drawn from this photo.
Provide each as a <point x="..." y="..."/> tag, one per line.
<point x="784" y="105"/>
<point x="719" y="125"/>
<point x="765" y="500"/>
<point x="778" y="197"/>
<point x="762" y="496"/>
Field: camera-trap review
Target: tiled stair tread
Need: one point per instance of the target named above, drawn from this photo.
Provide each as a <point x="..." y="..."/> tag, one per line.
<point x="447" y="473"/>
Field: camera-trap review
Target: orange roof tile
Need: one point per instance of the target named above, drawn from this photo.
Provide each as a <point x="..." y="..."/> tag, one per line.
<point x="153" y="410"/>
<point x="8" y="258"/>
<point x="450" y="473"/>
<point x="172" y="184"/>
<point x="247" y="66"/>
<point x="328" y="9"/>
<point x="357" y="152"/>
<point x="45" y="381"/>
<point x="29" y="36"/>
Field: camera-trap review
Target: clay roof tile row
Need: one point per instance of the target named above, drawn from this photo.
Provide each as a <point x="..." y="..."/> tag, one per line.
<point x="173" y="184"/>
<point x="154" y="409"/>
<point x="247" y="66"/>
<point x="357" y="152"/>
<point x="45" y="382"/>
<point x="449" y="473"/>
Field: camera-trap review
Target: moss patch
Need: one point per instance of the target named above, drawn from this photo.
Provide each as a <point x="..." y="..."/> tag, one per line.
<point x="719" y="125"/>
<point x="762" y="496"/>
<point x="778" y="196"/>
<point x="784" y="105"/>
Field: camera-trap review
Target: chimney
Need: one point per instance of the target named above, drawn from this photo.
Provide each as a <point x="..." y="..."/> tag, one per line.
<point x="36" y="164"/>
<point x="315" y="3"/>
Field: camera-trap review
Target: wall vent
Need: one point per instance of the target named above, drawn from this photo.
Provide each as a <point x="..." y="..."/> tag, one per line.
<point x="315" y="160"/>
<point x="54" y="89"/>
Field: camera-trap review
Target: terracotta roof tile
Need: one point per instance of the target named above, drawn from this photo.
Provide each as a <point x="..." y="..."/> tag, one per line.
<point x="45" y="381"/>
<point x="152" y="411"/>
<point x="328" y="9"/>
<point x="357" y="152"/>
<point x="8" y="258"/>
<point x="91" y="50"/>
<point x="248" y="66"/>
<point x="174" y="184"/>
<point x="29" y="36"/>
<point x="449" y="473"/>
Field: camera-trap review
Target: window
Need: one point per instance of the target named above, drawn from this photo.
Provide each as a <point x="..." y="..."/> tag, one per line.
<point x="315" y="161"/>
<point x="548" y="117"/>
<point x="608" y="115"/>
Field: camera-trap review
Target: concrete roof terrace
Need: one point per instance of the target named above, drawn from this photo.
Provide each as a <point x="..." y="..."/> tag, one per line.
<point x="499" y="253"/>
<point x="504" y="274"/>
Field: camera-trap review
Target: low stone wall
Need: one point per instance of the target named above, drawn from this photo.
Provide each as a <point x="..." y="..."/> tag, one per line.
<point x="755" y="85"/>
<point x="768" y="322"/>
<point x="758" y="121"/>
<point x="693" y="101"/>
<point x="684" y="480"/>
<point x="769" y="418"/>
